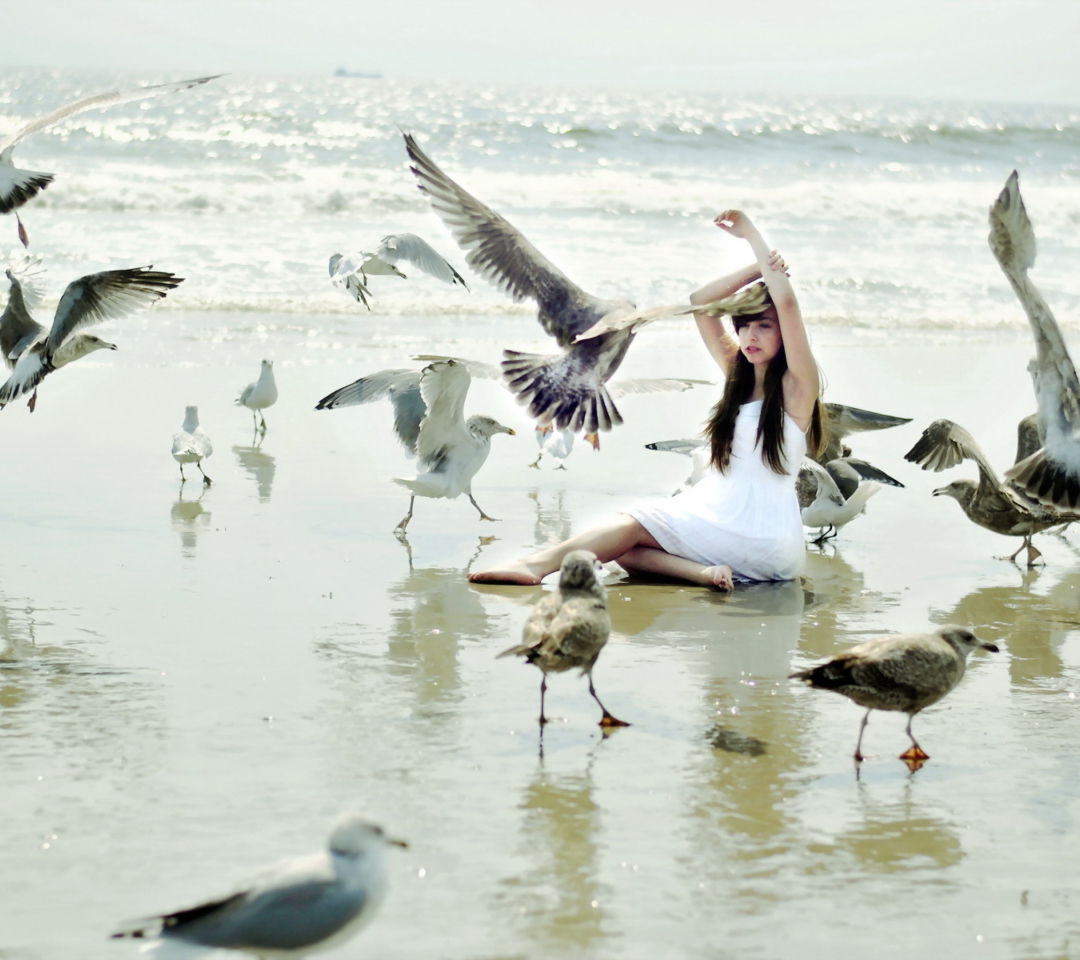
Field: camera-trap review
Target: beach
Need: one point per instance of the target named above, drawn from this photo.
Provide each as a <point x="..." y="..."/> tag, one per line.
<point x="195" y="682"/>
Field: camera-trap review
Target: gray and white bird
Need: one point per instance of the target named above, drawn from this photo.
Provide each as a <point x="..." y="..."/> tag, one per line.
<point x="1050" y="475"/>
<point x="191" y="444"/>
<point x="429" y="421"/>
<point x="833" y="495"/>
<point x="351" y="273"/>
<point x="839" y="421"/>
<point x="259" y="395"/>
<point x="92" y="299"/>
<point x="905" y="673"/>
<point x="297" y="907"/>
<point x="569" y="388"/>
<point x="568" y="627"/>
<point x="18" y="186"/>
<point x="693" y="447"/>
<point x="993" y="505"/>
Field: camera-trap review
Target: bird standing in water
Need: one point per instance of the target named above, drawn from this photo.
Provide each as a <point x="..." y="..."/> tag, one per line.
<point x="569" y="627"/>
<point x="191" y="445"/>
<point x="906" y="673"/>
<point x="259" y="395"/>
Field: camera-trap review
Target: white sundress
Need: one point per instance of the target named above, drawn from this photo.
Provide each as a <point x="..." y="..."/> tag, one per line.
<point x="747" y="518"/>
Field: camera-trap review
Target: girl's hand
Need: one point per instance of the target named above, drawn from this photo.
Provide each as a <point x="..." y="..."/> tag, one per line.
<point x="736" y="223"/>
<point x="776" y="262"/>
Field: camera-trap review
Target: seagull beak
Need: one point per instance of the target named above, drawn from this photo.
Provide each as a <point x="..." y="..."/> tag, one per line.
<point x="112" y="346"/>
<point x="594" y="439"/>
<point x="398" y="843"/>
<point x="511" y="431"/>
<point x="938" y="492"/>
<point x="992" y="647"/>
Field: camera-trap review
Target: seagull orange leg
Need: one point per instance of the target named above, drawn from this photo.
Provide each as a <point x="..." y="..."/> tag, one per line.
<point x="915" y="752"/>
<point x="607" y="720"/>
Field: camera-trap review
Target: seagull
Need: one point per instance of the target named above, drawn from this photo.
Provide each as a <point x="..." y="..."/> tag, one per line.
<point x="1000" y="507"/>
<point x="840" y="421"/>
<point x="696" y="449"/>
<point x="351" y="273"/>
<point x="564" y="438"/>
<point x="299" y="906"/>
<point x="833" y="495"/>
<point x="430" y="423"/>
<point x="18" y="328"/>
<point x="18" y="186"/>
<point x="568" y="627"/>
<point x="191" y="445"/>
<point x="92" y="299"/>
<point x="1050" y="475"/>
<point x="259" y="395"/>
<point x="569" y="388"/>
<point x="906" y="673"/>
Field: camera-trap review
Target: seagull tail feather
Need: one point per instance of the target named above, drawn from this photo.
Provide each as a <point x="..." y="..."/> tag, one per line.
<point x="1048" y="481"/>
<point x="546" y="384"/>
<point x="18" y="186"/>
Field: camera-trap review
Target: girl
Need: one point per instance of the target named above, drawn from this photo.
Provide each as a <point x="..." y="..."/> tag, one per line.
<point x="742" y="520"/>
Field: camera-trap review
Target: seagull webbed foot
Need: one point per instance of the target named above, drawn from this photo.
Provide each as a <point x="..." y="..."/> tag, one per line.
<point x="915" y="753"/>
<point x="608" y="721"/>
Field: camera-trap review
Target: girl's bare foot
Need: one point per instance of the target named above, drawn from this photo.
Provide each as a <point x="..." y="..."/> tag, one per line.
<point x="517" y="571"/>
<point x="719" y="576"/>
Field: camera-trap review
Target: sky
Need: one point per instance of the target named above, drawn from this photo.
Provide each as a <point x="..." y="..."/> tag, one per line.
<point x="1012" y="50"/>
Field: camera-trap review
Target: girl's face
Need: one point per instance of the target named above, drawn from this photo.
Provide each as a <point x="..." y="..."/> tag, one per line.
<point x="760" y="340"/>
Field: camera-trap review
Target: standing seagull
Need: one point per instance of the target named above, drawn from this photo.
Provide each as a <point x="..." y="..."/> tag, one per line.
<point x="833" y="495"/>
<point x="259" y="395"/>
<point x="569" y="388"/>
<point x="905" y="673"/>
<point x="18" y="186"/>
<point x="1051" y="475"/>
<point x="569" y="627"/>
<point x="430" y="423"/>
<point x="301" y="905"/>
<point x="993" y="505"/>
<point x="91" y="299"/>
<point x="191" y="445"/>
<point x="351" y="273"/>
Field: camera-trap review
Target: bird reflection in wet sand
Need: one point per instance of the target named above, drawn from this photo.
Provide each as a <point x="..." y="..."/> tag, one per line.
<point x="260" y="466"/>
<point x="552" y="519"/>
<point x="188" y="517"/>
<point x="905" y="673"/>
<point x="569" y="627"/>
<point x="561" y="896"/>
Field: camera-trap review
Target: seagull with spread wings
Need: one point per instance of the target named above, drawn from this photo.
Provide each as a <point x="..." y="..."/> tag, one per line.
<point x="1050" y="475"/>
<point x="430" y="423"/>
<point x="18" y="186"/>
<point x="993" y="505"/>
<point x="351" y="273"/>
<point x="92" y="299"/>
<point x="568" y="389"/>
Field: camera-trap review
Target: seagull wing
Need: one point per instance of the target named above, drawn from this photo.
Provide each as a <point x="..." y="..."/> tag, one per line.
<point x="107" y="296"/>
<point x="860" y="469"/>
<point x="1027" y="435"/>
<point x="633" y="319"/>
<point x="501" y="255"/>
<point x="408" y="246"/>
<point x="100" y="100"/>
<point x="843" y="420"/>
<point x="944" y="445"/>
<point x="476" y="368"/>
<point x="403" y="389"/>
<point x="443" y="386"/>
<point x="815" y="482"/>
<point x="621" y="388"/>
<point x="685" y="447"/>
<point x="17" y="328"/>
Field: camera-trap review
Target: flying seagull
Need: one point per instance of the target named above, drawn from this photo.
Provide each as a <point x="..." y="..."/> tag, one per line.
<point x="1000" y="507"/>
<point x="92" y="299"/>
<point x="351" y="273"/>
<point x="18" y="186"/>
<point x="1050" y="475"/>
<point x="569" y="388"/>
<point x="298" y="906"/>
<point x="568" y="627"/>
<point x="191" y="445"/>
<point x="906" y="673"/>
<point x="260" y="394"/>
<point x="430" y="423"/>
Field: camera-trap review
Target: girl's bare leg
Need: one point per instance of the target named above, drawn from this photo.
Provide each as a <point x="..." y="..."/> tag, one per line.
<point x="664" y="564"/>
<point x="607" y="541"/>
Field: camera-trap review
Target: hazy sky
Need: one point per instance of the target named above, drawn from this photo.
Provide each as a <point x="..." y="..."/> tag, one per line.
<point x="983" y="49"/>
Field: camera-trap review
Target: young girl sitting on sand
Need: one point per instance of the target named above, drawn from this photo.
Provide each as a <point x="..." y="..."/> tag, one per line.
<point x="742" y="520"/>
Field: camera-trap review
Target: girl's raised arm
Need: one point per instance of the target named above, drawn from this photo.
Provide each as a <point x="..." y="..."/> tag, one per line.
<point x="721" y="345"/>
<point x="802" y="385"/>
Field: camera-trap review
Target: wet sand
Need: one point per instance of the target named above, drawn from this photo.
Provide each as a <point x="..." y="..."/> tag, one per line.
<point x="194" y="684"/>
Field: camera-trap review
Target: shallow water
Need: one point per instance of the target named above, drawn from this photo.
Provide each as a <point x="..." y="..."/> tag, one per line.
<point x="194" y="684"/>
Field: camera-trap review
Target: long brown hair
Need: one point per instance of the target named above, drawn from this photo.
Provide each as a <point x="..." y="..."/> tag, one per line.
<point x="720" y="427"/>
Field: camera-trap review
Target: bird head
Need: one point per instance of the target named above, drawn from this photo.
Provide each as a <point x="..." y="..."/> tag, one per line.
<point x="960" y="490"/>
<point x="91" y="343"/>
<point x="963" y="641"/>
<point x="485" y="427"/>
<point x="356" y="836"/>
<point x="579" y="571"/>
<point x="267" y="364"/>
